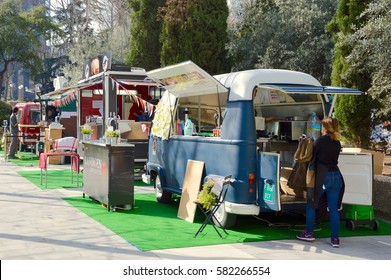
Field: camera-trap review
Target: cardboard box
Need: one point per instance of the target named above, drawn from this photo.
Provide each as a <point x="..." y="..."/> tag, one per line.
<point x="50" y="136"/>
<point x="378" y="158"/>
<point x="134" y="130"/>
<point x="284" y="176"/>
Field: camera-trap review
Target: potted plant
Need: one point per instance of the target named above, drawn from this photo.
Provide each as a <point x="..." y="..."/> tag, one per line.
<point x="206" y="197"/>
<point x="112" y="136"/>
<point x="86" y="131"/>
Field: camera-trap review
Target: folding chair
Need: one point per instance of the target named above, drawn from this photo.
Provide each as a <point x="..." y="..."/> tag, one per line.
<point x="219" y="189"/>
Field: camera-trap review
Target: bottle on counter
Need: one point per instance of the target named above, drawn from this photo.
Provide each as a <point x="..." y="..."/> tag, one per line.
<point x="180" y="127"/>
<point x="313" y="126"/>
<point x="188" y="131"/>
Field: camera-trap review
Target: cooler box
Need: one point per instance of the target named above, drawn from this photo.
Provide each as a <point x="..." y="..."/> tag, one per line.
<point x="39" y="147"/>
<point x="360" y="215"/>
<point x="359" y="212"/>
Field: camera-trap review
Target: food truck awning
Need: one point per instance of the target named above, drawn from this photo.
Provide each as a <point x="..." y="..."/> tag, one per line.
<point x="186" y="79"/>
<point x="121" y="78"/>
<point x="61" y="93"/>
<point x="309" y="89"/>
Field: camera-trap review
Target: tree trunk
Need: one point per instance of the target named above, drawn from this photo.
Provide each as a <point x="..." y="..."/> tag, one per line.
<point x="2" y="72"/>
<point x="6" y="85"/>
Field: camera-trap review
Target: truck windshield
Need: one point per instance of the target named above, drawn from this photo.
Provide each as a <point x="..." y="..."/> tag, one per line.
<point x="35" y="117"/>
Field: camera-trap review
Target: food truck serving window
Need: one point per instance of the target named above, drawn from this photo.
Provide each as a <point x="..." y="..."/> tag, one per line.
<point x="204" y="110"/>
<point x="298" y="97"/>
<point x="286" y="105"/>
<point x="267" y="96"/>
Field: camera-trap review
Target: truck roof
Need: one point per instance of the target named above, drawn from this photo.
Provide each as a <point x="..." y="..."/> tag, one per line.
<point x="187" y="79"/>
<point x="242" y="83"/>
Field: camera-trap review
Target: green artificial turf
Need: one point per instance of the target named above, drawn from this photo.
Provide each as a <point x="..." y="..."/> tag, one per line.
<point x="56" y="178"/>
<point x="140" y="183"/>
<point x="154" y="226"/>
<point x="59" y="178"/>
<point x="24" y="159"/>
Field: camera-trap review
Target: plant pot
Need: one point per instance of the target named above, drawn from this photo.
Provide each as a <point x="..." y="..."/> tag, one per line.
<point x="86" y="137"/>
<point x="114" y="140"/>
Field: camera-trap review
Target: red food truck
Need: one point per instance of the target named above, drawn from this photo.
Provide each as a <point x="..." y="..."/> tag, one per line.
<point x="29" y="116"/>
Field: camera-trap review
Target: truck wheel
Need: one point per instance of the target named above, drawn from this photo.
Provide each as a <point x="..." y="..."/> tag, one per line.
<point x="376" y="225"/>
<point x="350" y="225"/>
<point x="226" y="220"/>
<point x="161" y="195"/>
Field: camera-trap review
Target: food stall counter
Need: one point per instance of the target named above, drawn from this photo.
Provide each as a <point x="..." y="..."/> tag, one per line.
<point x="109" y="174"/>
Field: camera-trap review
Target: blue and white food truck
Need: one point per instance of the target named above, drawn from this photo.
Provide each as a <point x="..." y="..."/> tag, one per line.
<point x="245" y="124"/>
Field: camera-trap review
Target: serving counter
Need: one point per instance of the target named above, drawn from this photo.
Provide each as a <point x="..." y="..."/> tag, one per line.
<point x="109" y="174"/>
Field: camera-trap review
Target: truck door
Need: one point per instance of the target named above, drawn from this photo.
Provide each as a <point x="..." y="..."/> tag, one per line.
<point x="357" y="172"/>
<point x="268" y="181"/>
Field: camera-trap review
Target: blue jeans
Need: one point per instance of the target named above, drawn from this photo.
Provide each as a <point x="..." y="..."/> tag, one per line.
<point x="332" y="186"/>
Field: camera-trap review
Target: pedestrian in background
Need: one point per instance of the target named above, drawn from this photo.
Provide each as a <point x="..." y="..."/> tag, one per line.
<point x="328" y="181"/>
<point x="14" y="133"/>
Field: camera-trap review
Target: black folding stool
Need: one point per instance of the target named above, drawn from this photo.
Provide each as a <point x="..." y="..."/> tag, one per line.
<point x="219" y="189"/>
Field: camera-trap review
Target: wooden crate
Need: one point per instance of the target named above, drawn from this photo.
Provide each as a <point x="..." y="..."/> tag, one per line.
<point x="51" y="135"/>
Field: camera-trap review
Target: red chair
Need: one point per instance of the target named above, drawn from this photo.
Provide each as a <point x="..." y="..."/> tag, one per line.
<point x="62" y="147"/>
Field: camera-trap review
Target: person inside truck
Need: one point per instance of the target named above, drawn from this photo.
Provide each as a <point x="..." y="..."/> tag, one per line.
<point x="137" y="108"/>
<point x="14" y="133"/>
<point x="141" y="109"/>
<point x="328" y="181"/>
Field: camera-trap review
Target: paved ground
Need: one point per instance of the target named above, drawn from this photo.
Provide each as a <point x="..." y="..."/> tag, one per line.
<point x="37" y="224"/>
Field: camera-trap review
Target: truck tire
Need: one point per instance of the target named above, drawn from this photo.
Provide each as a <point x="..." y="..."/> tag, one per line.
<point x="161" y="195"/>
<point x="223" y="218"/>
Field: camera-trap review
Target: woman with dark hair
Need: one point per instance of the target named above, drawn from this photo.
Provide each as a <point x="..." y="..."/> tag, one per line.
<point x="328" y="181"/>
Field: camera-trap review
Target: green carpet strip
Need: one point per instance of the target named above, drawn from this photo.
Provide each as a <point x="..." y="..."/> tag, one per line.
<point x="56" y="178"/>
<point x="154" y="226"/>
<point x="60" y="178"/>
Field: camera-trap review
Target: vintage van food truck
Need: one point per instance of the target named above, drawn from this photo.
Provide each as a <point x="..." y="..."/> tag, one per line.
<point x="245" y="124"/>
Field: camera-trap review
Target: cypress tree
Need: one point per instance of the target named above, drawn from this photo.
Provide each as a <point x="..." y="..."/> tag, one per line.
<point x="144" y="34"/>
<point x="353" y="112"/>
<point x="195" y="30"/>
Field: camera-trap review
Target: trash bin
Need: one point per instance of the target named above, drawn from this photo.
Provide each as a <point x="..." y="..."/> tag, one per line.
<point x="39" y="147"/>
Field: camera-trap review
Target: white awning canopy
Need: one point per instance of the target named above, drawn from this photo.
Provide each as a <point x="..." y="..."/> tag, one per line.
<point x="186" y="79"/>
